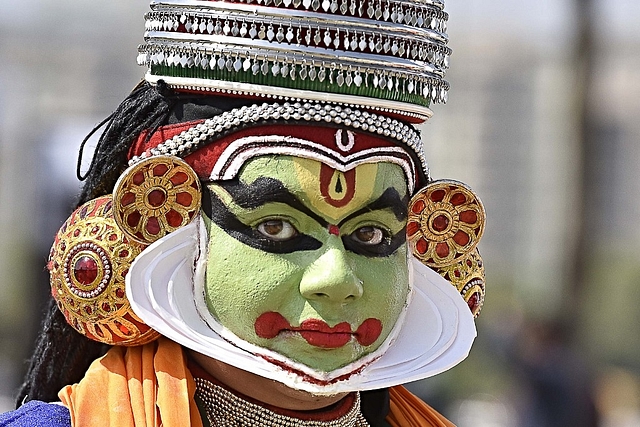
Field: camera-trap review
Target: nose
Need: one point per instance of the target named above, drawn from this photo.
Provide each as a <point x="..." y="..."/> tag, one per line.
<point x="330" y="278"/>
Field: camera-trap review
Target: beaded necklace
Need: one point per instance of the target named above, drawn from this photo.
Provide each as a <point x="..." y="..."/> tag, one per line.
<point x="224" y="408"/>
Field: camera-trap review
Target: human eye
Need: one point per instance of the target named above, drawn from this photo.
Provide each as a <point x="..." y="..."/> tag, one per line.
<point x="368" y="235"/>
<point x="374" y="240"/>
<point x="278" y="230"/>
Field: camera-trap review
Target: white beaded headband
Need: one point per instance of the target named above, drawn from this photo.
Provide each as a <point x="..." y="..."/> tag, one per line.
<point x="188" y="141"/>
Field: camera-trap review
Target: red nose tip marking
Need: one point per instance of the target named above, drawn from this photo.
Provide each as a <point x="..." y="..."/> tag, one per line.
<point x="334" y="229"/>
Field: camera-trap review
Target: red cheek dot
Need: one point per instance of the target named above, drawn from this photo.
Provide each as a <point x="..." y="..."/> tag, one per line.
<point x="268" y="325"/>
<point x="369" y="331"/>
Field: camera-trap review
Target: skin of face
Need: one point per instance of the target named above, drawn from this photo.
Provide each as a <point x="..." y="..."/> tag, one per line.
<point x="307" y="261"/>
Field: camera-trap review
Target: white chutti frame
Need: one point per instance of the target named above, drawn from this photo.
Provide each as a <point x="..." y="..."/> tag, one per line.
<point x="435" y="332"/>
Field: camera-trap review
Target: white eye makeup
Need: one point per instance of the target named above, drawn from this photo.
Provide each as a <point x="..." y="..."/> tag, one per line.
<point x="277" y="229"/>
<point x="368" y="235"/>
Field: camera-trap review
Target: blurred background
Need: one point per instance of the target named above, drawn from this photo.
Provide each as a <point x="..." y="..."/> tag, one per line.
<point x="543" y="121"/>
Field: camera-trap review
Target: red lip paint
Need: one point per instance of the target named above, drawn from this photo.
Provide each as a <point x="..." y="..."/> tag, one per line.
<point x="317" y="332"/>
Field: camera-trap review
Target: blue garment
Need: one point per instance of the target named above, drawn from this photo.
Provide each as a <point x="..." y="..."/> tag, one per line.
<point x="37" y="414"/>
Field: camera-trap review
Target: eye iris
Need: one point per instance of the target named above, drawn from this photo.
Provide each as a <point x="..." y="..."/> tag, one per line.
<point x="273" y="227"/>
<point x="369" y="235"/>
<point x="276" y="229"/>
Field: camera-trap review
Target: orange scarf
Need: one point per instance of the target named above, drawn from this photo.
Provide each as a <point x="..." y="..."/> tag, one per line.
<point x="150" y="386"/>
<point x="145" y="386"/>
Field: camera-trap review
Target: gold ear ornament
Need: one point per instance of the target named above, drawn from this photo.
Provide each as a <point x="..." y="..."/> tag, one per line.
<point x="88" y="263"/>
<point x="155" y="197"/>
<point x="445" y="223"/>
<point x="467" y="275"/>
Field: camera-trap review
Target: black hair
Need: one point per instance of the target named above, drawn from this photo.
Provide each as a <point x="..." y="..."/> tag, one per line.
<point x="61" y="354"/>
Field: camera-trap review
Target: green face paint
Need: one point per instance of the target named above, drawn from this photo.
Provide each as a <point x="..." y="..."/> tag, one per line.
<point x="307" y="261"/>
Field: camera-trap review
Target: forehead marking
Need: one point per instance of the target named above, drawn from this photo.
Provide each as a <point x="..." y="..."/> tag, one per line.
<point x="330" y="191"/>
<point x="229" y="163"/>
<point x="345" y="140"/>
<point x="336" y="187"/>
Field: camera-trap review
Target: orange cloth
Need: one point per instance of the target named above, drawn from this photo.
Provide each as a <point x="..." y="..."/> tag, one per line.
<point x="150" y="386"/>
<point x="406" y="410"/>
<point x="145" y="386"/>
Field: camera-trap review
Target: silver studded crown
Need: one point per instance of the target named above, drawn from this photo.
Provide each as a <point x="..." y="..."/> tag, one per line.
<point x="389" y="55"/>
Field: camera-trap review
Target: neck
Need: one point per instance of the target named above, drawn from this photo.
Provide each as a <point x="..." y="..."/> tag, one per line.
<point x="263" y="389"/>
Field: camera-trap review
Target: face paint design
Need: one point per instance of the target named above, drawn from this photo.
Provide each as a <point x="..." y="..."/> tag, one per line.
<point x="290" y="271"/>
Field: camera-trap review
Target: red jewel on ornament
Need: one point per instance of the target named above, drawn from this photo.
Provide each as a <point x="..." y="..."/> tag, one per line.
<point x="160" y="170"/>
<point x="174" y="218"/>
<point x="474" y="303"/>
<point x="85" y="270"/>
<point x="440" y="223"/>
<point x="157" y="198"/>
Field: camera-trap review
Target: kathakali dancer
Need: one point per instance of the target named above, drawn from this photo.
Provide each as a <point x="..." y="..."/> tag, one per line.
<point x="259" y="242"/>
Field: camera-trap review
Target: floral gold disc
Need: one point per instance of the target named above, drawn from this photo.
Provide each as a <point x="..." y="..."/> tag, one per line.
<point x="446" y="221"/>
<point x="156" y="197"/>
<point x="88" y="263"/>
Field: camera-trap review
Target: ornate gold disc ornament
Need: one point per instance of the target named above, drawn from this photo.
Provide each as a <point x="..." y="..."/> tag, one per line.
<point x="88" y="263"/>
<point x="446" y="222"/>
<point x="467" y="275"/>
<point x="156" y="196"/>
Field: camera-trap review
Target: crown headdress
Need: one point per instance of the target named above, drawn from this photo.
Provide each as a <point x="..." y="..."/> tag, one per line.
<point x="386" y="55"/>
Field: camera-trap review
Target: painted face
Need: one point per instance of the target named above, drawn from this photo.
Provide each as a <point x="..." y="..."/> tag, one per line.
<point x="307" y="261"/>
